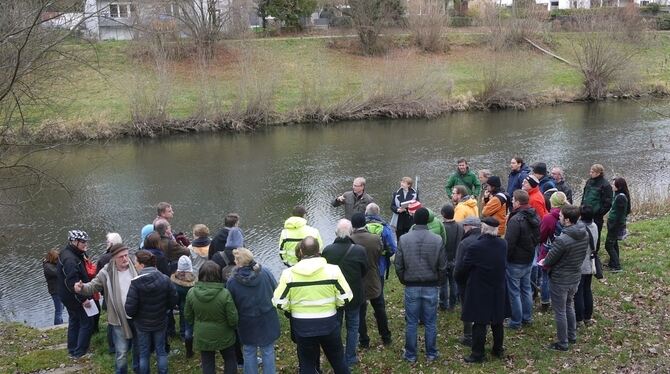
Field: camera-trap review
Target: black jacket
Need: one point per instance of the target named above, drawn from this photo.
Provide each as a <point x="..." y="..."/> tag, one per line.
<point x="150" y="296"/>
<point x="405" y="221"/>
<point x="483" y="270"/>
<point x="462" y="249"/>
<point x="454" y="232"/>
<point x="161" y="261"/>
<point x="523" y="228"/>
<point x="71" y="269"/>
<point x="51" y="275"/>
<point x="219" y="242"/>
<point x="354" y="266"/>
<point x="598" y="194"/>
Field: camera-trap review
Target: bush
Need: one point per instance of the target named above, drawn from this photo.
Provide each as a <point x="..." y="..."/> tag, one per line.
<point x="653" y="8"/>
<point x="460" y="21"/>
<point x="663" y="22"/>
<point x="428" y="21"/>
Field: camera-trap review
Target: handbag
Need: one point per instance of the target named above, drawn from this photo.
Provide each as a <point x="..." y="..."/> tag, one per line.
<point x="596" y="265"/>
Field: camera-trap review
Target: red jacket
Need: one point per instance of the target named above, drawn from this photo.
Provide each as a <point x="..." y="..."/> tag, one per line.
<point x="537" y="202"/>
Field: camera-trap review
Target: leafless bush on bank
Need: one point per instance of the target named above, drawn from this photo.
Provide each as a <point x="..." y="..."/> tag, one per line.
<point x="428" y="23"/>
<point x="508" y="30"/>
<point x="508" y="85"/>
<point x="256" y="95"/>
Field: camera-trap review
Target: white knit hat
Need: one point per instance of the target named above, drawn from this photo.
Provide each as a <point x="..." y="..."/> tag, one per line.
<point x="185" y="264"/>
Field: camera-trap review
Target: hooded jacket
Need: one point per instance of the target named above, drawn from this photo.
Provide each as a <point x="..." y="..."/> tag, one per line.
<point x="516" y="178"/>
<point x="567" y="254"/>
<point x="523" y="228"/>
<point x="469" y="180"/>
<point x="295" y="230"/>
<point x="421" y="260"/>
<point x="466" y="208"/>
<point x="377" y="226"/>
<point x="150" y="296"/>
<point x="310" y="292"/>
<point x="183" y="282"/>
<point x="251" y="288"/>
<point x="71" y="269"/>
<point x="211" y="311"/>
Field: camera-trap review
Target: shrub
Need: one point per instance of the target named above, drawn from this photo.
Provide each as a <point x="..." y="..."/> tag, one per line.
<point x="428" y="21"/>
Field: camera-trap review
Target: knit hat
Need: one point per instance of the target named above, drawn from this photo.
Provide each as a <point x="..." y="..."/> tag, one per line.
<point x="494" y="181"/>
<point x="185" y="264"/>
<point x="490" y="221"/>
<point x="532" y="181"/>
<point x="557" y="199"/>
<point x="421" y="216"/>
<point x="116" y="249"/>
<point x="540" y="168"/>
<point x="472" y="221"/>
<point x="358" y="220"/>
<point x="146" y="230"/>
<point x="413" y="206"/>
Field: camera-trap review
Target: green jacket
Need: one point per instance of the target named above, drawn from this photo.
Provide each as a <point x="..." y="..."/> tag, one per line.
<point x="211" y="310"/>
<point x="436" y="227"/>
<point x="619" y="211"/>
<point x="598" y="194"/>
<point x="469" y="180"/>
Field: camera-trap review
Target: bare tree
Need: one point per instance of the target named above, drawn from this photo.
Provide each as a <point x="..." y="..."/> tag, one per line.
<point x="31" y="55"/>
<point x="369" y="18"/>
<point x="428" y="22"/>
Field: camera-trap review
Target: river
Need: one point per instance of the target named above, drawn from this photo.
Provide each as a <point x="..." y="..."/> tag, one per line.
<point x="116" y="185"/>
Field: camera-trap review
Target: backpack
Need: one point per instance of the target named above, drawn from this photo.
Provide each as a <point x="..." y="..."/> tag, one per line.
<point x="504" y="200"/>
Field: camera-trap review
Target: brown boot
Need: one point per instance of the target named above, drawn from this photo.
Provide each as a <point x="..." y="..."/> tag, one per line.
<point x="189" y="347"/>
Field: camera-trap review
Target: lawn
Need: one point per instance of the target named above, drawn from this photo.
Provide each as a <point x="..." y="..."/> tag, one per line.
<point x="632" y="332"/>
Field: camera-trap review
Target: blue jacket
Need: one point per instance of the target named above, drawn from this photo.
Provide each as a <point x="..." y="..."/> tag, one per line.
<point x="388" y="240"/>
<point x="516" y="178"/>
<point x="252" y="289"/>
<point x="546" y="183"/>
<point x="150" y="296"/>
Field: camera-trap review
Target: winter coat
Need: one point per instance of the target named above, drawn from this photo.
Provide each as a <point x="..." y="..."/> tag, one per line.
<point x="515" y="179"/>
<point x="598" y="194"/>
<point x="466" y="208"/>
<point x="218" y="242"/>
<point x="523" y="228"/>
<point x="421" y="260"/>
<point x="150" y="296"/>
<point x="183" y="281"/>
<point x="172" y="251"/>
<point x="469" y="180"/>
<point x="566" y="189"/>
<point x="586" y="265"/>
<point x="463" y="248"/>
<point x="497" y="209"/>
<point x="161" y="261"/>
<point x="107" y="280"/>
<point x="211" y="311"/>
<point x="353" y="204"/>
<point x="436" y="227"/>
<point x="405" y="221"/>
<point x="546" y="183"/>
<point x="251" y="288"/>
<point x="567" y="254"/>
<point x="548" y="232"/>
<point x="295" y="229"/>
<point x="377" y="226"/>
<point x="199" y="254"/>
<point x="373" y="248"/>
<point x="536" y="201"/>
<point x="455" y="233"/>
<point x="71" y="269"/>
<point x="619" y="212"/>
<point x="483" y="271"/>
<point x="51" y="276"/>
<point x="354" y="266"/>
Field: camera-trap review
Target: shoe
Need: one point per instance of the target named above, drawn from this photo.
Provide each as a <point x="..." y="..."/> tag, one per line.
<point x="544" y="307"/>
<point x="589" y="322"/>
<point x="431" y="359"/>
<point x="572" y="341"/>
<point x="557" y="347"/>
<point x="465" y="341"/>
<point x="527" y="323"/>
<point x="411" y="362"/>
<point x="386" y="341"/>
<point x="615" y="270"/>
<point x="512" y="327"/>
<point x="499" y="353"/>
<point x="473" y="359"/>
<point x="365" y="345"/>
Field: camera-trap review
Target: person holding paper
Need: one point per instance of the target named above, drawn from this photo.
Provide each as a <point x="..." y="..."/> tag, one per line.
<point x="71" y="270"/>
<point x="400" y="200"/>
<point x="114" y="279"/>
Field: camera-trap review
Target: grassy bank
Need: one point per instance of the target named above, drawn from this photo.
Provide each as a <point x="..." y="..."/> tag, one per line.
<point x="632" y="333"/>
<point x="263" y="82"/>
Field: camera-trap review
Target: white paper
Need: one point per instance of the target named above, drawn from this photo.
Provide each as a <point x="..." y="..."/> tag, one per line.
<point x="91" y="309"/>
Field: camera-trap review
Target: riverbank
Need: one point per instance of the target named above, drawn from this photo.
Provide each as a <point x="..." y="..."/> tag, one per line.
<point x="252" y="85"/>
<point x="631" y="335"/>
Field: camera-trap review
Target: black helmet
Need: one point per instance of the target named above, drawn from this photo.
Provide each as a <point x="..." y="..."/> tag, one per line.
<point x="73" y="235"/>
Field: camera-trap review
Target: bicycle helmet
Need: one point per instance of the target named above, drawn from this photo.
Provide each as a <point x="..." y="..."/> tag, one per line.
<point x="73" y="235"/>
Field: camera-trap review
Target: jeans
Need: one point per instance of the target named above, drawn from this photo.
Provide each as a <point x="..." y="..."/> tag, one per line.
<point x="147" y="339"/>
<point x="267" y="354"/>
<point x="79" y="331"/>
<point x="208" y="362"/>
<point x="520" y="294"/>
<point x="58" y="310"/>
<point x="584" y="299"/>
<point x="421" y="303"/>
<point x="564" y="312"/>
<point x="448" y="291"/>
<point x="612" y="247"/>
<point x="309" y="349"/>
<point x="379" y="307"/>
<point x="352" y="317"/>
<point x="479" y="338"/>
<point x="121" y="345"/>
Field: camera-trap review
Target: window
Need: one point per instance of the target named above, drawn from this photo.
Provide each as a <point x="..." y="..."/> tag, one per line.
<point x="120" y="10"/>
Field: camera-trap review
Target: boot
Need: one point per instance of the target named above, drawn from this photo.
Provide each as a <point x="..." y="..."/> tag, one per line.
<point x="189" y="347"/>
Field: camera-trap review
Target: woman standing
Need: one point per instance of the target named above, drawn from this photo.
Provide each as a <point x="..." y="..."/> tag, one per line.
<point x="616" y="222"/>
<point x="252" y="287"/>
<point x="51" y="275"/>
<point x="598" y="194"/>
<point x="584" y="296"/>
<point x="404" y="194"/>
<point x="211" y="311"/>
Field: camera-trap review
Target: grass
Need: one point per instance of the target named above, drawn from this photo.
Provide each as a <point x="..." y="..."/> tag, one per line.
<point x="632" y="333"/>
<point x="292" y="70"/>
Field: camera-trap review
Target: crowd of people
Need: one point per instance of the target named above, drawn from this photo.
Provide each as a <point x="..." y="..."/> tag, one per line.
<point x="492" y="250"/>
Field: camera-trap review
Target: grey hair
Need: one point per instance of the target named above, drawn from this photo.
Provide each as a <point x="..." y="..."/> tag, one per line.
<point x="372" y="210"/>
<point x="344" y="228"/>
<point x="490" y="230"/>
<point x="113" y="238"/>
<point x="161" y="226"/>
<point x="560" y="171"/>
<point x="360" y="180"/>
<point x="486" y="172"/>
